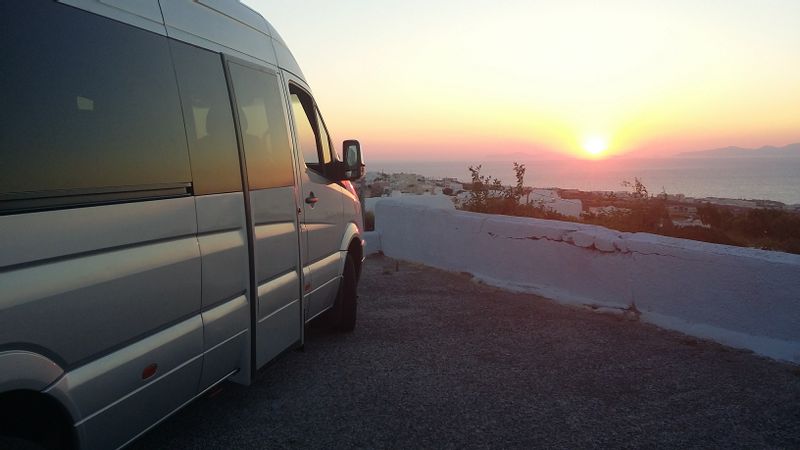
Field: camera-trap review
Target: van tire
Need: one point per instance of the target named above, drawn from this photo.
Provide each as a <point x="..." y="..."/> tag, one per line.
<point x="14" y="443"/>
<point x="347" y="300"/>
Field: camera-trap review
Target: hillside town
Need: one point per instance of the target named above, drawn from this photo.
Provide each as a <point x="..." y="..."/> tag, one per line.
<point x="571" y="203"/>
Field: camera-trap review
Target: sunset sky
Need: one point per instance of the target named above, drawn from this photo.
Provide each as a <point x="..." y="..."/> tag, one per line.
<point x="456" y="80"/>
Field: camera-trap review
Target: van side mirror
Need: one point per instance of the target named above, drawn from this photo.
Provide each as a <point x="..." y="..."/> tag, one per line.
<point x="353" y="160"/>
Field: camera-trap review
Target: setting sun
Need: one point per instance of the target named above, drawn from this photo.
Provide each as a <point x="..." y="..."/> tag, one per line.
<point x="595" y="146"/>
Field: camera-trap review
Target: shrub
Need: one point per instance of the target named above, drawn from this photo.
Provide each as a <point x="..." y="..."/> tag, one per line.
<point x="766" y="228"/>
<point x="369" y="221"/>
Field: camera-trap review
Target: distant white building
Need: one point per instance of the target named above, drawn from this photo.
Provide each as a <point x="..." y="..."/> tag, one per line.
<point x="688" y="222"/>
<point x="411" y="183"/>
<point x="683" y="216"/>
<point x="550" y="200"/>
<point x="607" y="210"/>
<point x="453" y="184"/>
<point x="751" y="204"/>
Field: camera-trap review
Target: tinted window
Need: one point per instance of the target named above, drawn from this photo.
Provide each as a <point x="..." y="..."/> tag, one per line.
<point x="312" y="137"/>
<point x="87" y="103"/>
<point x="209" y="120"/>
<point x="263" y="127"/>
<point x="306" y="139"/>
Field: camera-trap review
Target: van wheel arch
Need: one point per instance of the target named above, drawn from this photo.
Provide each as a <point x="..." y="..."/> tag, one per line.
<point x="346" y="306"/>
<point x="36" y="418"/>
<point x="356" y="251"/>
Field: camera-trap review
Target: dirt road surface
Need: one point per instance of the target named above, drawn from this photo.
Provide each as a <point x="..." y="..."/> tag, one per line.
<point x="438" y="361"/>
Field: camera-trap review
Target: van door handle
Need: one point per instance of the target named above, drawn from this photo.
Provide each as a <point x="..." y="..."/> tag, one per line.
<point x="311" y="199"/>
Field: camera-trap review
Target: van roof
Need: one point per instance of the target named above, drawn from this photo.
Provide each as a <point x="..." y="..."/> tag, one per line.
<point x="221" y="25"/>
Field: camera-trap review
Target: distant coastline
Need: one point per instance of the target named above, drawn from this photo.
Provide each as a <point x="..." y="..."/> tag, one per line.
<point x="767" y="151"/>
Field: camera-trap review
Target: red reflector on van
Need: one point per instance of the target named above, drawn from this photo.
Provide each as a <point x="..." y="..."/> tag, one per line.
<point x="149" y="371"/>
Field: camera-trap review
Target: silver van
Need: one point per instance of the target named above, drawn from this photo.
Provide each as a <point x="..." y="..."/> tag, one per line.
<point x="172" y="212"/>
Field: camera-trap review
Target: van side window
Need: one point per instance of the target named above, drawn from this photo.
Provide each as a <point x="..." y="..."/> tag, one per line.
<point x="209" y="120"/>
<point x="88" y="105"/>
<point x="312" y="138"/>
<point x="306" y="138"/>
<point x="262" y="123"/>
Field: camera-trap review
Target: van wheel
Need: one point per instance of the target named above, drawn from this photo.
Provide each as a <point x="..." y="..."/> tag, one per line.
<point x="13" y="443"/>
<point x="344" y="313"/>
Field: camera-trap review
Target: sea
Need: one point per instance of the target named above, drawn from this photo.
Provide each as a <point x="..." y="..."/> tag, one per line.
<point x="749" y="178"/>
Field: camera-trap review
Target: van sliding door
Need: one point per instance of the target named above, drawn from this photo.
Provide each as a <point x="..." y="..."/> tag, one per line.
<point x="221" y="226"/>
<point x="275" y="257"/>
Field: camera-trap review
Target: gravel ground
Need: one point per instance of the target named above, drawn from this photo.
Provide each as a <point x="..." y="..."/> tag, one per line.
<point x="438" y="361"/>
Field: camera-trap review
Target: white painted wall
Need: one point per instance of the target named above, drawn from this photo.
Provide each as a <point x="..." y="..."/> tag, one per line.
<point x="372" y="242"/>
<point x="741" y="297"/>
<point x="433" y="201"/>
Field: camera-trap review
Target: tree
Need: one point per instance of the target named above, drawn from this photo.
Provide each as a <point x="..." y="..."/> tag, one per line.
<point x="488" y="195"/>
<point x="479" y="196"/>
<point x="518" y="190"/>
<point x="639" y="189"/>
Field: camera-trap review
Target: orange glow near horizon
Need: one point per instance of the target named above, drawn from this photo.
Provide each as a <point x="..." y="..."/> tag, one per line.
<point x="494" y="78"/>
